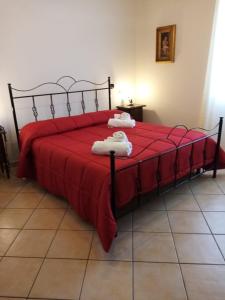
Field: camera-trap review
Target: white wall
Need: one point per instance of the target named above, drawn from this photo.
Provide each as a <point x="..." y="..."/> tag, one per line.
<point x="41" y="40"/>
<point x="175" y="89"/>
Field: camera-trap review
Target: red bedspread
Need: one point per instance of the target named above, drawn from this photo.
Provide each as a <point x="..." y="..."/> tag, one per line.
<point x="58" y="154"/>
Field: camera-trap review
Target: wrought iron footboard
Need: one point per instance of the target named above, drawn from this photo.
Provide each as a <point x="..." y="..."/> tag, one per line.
<point x="177" y="181"/>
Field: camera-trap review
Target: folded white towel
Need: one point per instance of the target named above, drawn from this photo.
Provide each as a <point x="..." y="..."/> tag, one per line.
<point x="125" y="116"/>
<point x="118" y="136"/>
<point x="104" y="148"/>
<point x="122" y="116"/>
<point x="121" y="123"/>
<point x="117" y="116"/>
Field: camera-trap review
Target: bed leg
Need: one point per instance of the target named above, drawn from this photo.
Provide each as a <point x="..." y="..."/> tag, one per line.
<point x="216" y="159"/>
<point x="113" y="182"/>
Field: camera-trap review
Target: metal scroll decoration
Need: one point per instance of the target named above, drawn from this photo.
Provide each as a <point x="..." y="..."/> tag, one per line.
<point x="34" y="95"/>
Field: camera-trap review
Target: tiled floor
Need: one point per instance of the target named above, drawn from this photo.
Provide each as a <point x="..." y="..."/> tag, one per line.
<point x="172" y="248"/>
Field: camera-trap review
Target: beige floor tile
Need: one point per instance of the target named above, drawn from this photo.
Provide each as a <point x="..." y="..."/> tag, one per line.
<point x="52" y="201"/>
<point x="216" y="221"/>
<point x="153" y="203"/>
<point x="151" y="221"/>
<point x="121" y="248"/>
<point x="32" y="187"/>
<point x="222" y="186"/>
<point x="204" y="282"/>
<point x="72" y="221"/>
<point x="221" y="180"/>
<point x="17" y="275"/>
<point x="205" y="185"/>
<point x="45" y="219"/>
<point x="11" y="185"/>
<point x="154" y="247"/>
<point x="187" y="222"/>
<point x="31" y="243"/>
<point x="211" y="202"/>
<point x="59" y="279"/>
<point x="182" y="189"/>
<point x="14" y="218"/>
<point x="25" y="200"/>
<point x="221" y="242"/>
<point x="107" y="280"/>
<point x="197" y="248"/>
<point x="71" y="244"/>
<point x="157" y="281"/>
<point x="5" y="198"/>
<point x="181" y="202"/>
<point x="124" y="223"/>
<point x="7" y="236"/>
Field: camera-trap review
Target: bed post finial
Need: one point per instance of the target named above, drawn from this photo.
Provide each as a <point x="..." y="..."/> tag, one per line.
<point x="110" y="86"/>
<point x="14" y="113"/>
<point x="216" y="159"/>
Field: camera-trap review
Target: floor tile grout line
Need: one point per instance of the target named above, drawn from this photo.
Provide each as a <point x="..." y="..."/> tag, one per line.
<point x="119" y="260"/>
<point x="5" y="253"/>
<point x="178" y="260"/>
<point x="209" y="227"/>
<point x="218" y="185"/>
<point x="16" y="193"/>
<point x="42" y="196"/>
<point x="86" y="266"/>
<point x="20" y="229"/>
<point x="44" y="258"/>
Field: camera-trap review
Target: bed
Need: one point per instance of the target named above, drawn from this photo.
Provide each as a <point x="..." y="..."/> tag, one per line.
<point x="57" y="153"/>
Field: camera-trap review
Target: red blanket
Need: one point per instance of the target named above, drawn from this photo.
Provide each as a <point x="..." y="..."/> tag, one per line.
<point x="58" y="154"/>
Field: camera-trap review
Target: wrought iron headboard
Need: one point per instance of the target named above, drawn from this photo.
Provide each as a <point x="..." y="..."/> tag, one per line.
<point x="107" y="85"/>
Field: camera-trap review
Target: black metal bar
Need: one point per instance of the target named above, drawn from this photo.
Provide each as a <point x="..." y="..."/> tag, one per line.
<point x="96" y="100"/>
<point x="109" y="89"/>
<point x="63" y="93"/>
<point x="204" y="153"/>
<point x="68" y="104"/>
<point x="34" y="109"/>
<point x="138" y="182"/>
<point x="216" y="158"/>
<point x="14" y="113"/>
<point x="113" y="183"/>
<point x="191" y="160"/>
<point x="82" y="102"/>
<point x="176" y="167"/>
<point x="4" y="159"/>
<point x="52" y="108"/>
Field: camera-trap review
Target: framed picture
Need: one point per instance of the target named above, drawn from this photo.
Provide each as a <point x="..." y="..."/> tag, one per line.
<point x="165" y="43"/>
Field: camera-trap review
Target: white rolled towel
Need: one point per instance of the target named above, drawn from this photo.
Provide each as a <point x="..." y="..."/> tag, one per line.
<point x="121" y="123"/>
<point x="117" y="116"/>
<point x="118" y="136"/>
<point x="125" y="116"/>
<point x="122" y="116"/>
<point x="104" y="148"/>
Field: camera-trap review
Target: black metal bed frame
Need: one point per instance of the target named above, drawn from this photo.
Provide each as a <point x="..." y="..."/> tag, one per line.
<point x="113" y="172"/>
<point x="107" y="85"/>
<point x="193" y="173"/>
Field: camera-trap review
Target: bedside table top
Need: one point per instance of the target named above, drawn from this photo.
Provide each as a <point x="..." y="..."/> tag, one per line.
<point x="130" y="106"/>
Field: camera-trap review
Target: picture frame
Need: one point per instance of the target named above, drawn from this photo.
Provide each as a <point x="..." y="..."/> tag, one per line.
<point x="165" y="43"/>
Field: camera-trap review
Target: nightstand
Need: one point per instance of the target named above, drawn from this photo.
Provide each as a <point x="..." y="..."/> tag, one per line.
<point x="136" y="111"/>
<point x="4" y="163"/>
